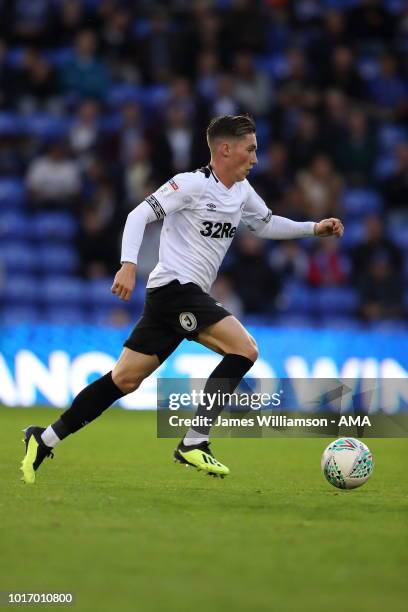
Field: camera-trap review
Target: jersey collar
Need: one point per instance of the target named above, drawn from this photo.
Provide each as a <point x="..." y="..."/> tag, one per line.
<point x="211" y="169"/>
<point x="219" y="181"/>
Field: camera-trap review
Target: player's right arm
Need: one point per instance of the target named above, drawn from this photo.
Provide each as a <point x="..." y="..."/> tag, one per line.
<point x="172" y="196"/>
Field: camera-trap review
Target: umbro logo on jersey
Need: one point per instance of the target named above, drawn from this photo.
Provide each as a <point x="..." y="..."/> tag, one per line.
<point x="211" y="206"/>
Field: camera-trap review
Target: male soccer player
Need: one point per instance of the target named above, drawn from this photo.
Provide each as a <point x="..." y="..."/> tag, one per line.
<point x="201" y="212"/>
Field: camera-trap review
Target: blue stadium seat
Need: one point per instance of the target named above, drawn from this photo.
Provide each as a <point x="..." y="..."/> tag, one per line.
<point x="125" y="92"/>
<point x="13" y="315"/>
<point x="340" y="5"/>
<point x="21" y="289"/>
<point x="99" y="296"/>
<point x="276" y="66"/>
<point x="59" y="56"/>
<point x="56" y="258"/>
<point x="17" y="256"/>
<point x="391" y="134"/>
<point x="63" y="290"/>
<point x="141" y="27"/>
<point x="110" y="123"/>
<point x="46" y="126"/>
<point x="257" y="320"/>
<point x="10" y="124"/>
<point x="13" y="226"/>
<point x="354" y="234"/>
<point x="12" y="193"/>
<point x="64" y="316"/>
<point x="98" y="293"/>
<point x="155" y="95"/>
<point x="384" y="166"/>
<point x="399" y="235"/>
<point x="389" y="325"/>
<point x="297" y="298"/>
<point x="338" y="322"/>
<point x="54" y="225"/>
<point x="395" y="6"/>
<point x="361" y="202"/>
<point x="107" y="316"/>
<point x="14" y="56"/>
<point x="263" y="132"/>
<point x="336" y="300"/>
<point x="293" y="320"/>
<point x="368" y="67"/>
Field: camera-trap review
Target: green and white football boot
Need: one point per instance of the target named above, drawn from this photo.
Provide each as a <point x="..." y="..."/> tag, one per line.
<point x="200" y="457"/>
<point x="36" y="452"/>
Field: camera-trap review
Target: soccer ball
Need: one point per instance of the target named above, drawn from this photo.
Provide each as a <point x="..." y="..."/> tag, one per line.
<point x="347" y="463"/>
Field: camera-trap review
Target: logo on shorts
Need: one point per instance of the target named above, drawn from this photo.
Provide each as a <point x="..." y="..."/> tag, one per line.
<point x="188" y="321"/>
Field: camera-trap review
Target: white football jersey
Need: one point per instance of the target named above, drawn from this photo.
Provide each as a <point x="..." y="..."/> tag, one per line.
<point x="201" y="216"/>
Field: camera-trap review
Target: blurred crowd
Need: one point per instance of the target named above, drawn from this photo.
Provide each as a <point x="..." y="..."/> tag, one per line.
<point x="102" y="101"/>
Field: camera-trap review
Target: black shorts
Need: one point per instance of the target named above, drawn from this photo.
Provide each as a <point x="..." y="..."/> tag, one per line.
<point x="171" y="313"/>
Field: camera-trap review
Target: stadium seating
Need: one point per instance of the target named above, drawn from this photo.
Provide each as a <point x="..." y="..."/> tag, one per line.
<point x="17" y="315"/>
<point x="17" y="256"/>
<point x="336" y="300"/>
<point x="21" y="289"/>
<point x="296" y="298"/>
<point x="46" y="126"/>
<point x="53" y="258"/>
<point x="12" y="194"/>
<point x="361" y="202"/>
<point x="39" y="261"/>
<point x="53" y="226"/>
<point x="390" y="134"/>
<point x="62" y="290"/>
<point x="13" y="226"/>
<point x="64" y="316"/>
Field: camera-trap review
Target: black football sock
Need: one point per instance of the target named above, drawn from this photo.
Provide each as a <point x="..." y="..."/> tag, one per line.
<point x="224" y="379"/>
<point x="87" y="406"/>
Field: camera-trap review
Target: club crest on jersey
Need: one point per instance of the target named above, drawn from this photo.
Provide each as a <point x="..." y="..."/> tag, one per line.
<point x="188" y="321"/>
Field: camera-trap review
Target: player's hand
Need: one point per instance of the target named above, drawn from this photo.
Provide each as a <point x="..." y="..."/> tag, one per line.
<point x="329" y="227"/>
<point x="124" y="281"/>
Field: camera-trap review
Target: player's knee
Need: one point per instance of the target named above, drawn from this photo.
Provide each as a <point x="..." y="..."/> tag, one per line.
<point x="250" y="349"/>
<point x="125" y="383"/>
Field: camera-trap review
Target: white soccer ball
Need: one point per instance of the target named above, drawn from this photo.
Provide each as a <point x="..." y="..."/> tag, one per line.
<point x="347" y="463"/>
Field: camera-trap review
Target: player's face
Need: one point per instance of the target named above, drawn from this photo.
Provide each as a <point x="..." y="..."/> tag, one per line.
<point x="243" y="156"/>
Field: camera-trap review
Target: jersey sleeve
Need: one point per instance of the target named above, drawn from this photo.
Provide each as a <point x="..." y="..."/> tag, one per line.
<point x="177" y="194"/>
<point x="259" y="219"/>
<point x="255" y="214"/>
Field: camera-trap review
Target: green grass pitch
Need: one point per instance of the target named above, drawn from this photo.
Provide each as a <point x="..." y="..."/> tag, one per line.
<point x="115" y="521"/>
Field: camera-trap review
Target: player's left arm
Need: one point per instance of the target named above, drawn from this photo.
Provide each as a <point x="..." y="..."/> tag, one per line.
<point x="260" y="220"/>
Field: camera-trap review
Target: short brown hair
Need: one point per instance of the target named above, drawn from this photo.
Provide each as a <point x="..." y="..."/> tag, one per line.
<point x="233" y="126"/>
